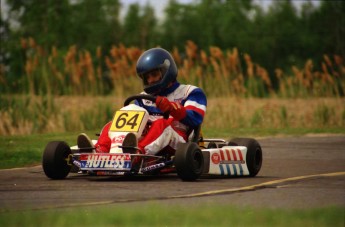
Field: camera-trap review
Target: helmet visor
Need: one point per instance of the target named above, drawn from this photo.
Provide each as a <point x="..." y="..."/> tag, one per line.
<point x="152" y="77"/>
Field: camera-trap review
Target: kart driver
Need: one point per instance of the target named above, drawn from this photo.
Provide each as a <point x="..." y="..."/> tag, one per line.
<point x="185" y="103"/>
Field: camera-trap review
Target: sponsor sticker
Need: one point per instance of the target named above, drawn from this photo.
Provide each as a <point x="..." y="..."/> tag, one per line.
<point x="109" y="173"/>
<point x="105" y="161"/>
<point x="228" y="156"/>
<point x="215" y="158"/>
<point x="118" y="139"/>
<point x="152" y="167"/>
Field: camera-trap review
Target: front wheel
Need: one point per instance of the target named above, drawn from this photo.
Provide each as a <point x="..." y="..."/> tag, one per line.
<point x="54" y="161"/>
<point x="254" y="153"/>
<point x="189" y="161"/>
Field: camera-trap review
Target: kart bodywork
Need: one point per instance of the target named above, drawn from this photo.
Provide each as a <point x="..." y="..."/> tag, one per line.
<point x="198" y="156"/>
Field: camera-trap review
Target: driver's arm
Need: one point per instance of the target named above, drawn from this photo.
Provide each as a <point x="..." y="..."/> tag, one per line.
<point x="192" y="111"/>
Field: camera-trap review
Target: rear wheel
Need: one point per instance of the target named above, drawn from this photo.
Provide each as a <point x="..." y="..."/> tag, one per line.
<point x="189" y="161"/>
<point x="254" y="153"/>
<point x="54" y="160"/>
<point x="212" y="145"/>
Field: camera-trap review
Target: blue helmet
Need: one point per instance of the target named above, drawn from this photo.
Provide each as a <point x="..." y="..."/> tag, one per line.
<point x="157" y="58"/>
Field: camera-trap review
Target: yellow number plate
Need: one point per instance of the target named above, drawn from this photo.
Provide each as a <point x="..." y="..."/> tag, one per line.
<point x="127" y="121"/>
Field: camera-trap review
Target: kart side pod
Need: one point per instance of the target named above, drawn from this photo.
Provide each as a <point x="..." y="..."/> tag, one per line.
<point x="240" y="157"/>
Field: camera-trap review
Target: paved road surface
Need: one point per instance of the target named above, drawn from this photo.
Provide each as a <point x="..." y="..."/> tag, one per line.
<point x="318" y="163"/>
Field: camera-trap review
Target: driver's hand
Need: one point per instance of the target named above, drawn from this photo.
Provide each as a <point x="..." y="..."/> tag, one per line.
<point x="174" y="108"/>
<point x="163" y="104"/>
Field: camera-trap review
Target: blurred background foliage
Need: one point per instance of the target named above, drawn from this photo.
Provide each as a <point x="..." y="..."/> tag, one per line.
<point x="275" y="38"/>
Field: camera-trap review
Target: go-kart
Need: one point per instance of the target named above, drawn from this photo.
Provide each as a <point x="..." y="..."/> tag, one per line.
<point x="198" y="156"/>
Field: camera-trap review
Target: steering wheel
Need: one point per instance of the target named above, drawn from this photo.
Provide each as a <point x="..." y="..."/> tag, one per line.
<point x="141" y="97"/>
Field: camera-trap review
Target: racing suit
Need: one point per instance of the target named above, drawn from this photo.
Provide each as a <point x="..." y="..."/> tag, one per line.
<point x="166" y="133"/>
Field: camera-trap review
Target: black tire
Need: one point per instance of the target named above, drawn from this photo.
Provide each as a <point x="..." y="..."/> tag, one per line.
<point x="54" y="161"/>
<point x="254" y="153"/>
<point x="212" y="145"/>
<point x="189" y="161"/>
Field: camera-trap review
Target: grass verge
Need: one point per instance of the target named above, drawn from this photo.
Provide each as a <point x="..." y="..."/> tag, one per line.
<point x="155" y="214"/>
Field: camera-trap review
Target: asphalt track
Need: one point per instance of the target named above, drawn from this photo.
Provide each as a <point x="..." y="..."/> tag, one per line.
<point x="297" y="172"/>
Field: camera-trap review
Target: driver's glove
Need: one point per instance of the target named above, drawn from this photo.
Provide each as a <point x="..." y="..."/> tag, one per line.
<point x="175" y="109"/>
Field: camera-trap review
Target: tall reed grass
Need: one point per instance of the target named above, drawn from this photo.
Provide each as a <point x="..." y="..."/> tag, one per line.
<point x="218" y="72"/>
<point x="22" y="115"/>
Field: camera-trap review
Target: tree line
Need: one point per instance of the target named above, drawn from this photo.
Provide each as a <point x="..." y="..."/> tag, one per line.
<point x="280" y="36"/>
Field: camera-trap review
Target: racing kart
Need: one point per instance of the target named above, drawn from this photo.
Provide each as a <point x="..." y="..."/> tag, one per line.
<point x="198" y="156"/>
